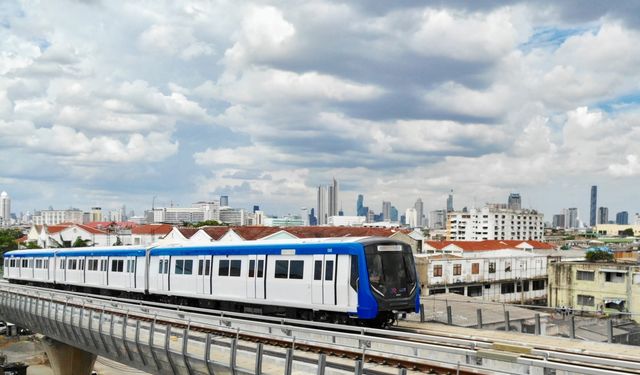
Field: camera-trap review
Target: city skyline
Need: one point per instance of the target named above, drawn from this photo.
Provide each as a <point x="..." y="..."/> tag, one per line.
<point x="262" y="103"/>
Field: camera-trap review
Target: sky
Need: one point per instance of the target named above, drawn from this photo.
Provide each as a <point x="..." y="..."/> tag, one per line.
<point x="109" y="103"/>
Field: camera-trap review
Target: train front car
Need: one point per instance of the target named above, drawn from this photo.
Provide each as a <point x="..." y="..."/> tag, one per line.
<point x="391" y="273"/>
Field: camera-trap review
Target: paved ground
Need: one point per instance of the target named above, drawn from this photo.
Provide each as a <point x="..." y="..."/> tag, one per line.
<point x="28" y="349"/>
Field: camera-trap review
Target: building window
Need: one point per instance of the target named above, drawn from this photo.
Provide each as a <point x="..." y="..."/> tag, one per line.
<point x="457" y="269"/>
<point x="522" y="286"/>
<point x="507" y="266"/>
<point x="475" y="268"/>
<point x="507" y="288"/>
<point x="585" y="275"/>
<point x="614" y="277"/>
<point x="492" y="267"/>
<point x="584" y="300"/>
<point x="437" y="270"/>
<point x="538" y="284"/>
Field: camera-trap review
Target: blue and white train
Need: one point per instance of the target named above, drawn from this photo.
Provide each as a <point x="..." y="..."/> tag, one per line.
<point x="346" y="280"/>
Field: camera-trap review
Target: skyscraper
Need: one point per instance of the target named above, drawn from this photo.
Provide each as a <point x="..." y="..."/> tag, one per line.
<point x="386" y="211"/>
<point x="411" y="217"/>
<point x="603" y="215"/>
<point x="332" y="209"/>
<point x="360" y="205"/>
<point x="419" y="206"/>
<point x="224" y="201"/>
<point x="450" y="202"/>
<point x="571" y="218"/>
<point x="394" y="214"/>
<point x="5" y="209"/>
<point x="594" y="204"/>
<point x="514" y="202"/>
<point x="622" y="218"/>
<point x="322" y="205"/>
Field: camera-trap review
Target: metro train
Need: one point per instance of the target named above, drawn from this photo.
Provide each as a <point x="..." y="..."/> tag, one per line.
<point x="365" y="281"/>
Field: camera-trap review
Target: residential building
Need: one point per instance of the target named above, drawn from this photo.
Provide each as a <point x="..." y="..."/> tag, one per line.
<point x="419" y="207"/>
<point x="558" y="221"/>
<point x="322" y="201"/>
<point x="258" y="218"/>
<point x="603" y="215"/>
<point x="595" y="287"/>
<point x="622" y="218"/>
<point x="178" y="215"/>
<point x="450" y="202"/>
<point x="571" y="218"/>
<point x="438" y="219"/>
<point x="150" y="233"/>
<point x="514" y="202"/>
<point x="495" y="223"/>
<point x="5" y="209"/>
<point x="96" y="214"/>
<point x="594" y="204"/>
<point x="65" y="235"/>
<point x="616" y="230"/>
<point x="55" y="217"/>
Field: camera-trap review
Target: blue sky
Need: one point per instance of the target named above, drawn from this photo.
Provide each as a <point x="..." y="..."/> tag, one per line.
<point x="186" y="100"/>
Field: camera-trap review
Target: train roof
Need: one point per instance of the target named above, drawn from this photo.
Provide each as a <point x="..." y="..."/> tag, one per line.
<point x="79" y="251"/>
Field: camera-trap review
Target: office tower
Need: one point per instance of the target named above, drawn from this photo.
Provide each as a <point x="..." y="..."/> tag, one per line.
<point x="256" y="208"/>
<point x="322" y="202"/>
<point x="394" y="214"/>
<point x="312" y="217"/>
<point x="332" y="208"/>
<point x="571" y="218"/>
<point x="419" y="206"/>
<point x="5" y="209"/>
<point x="603" y="215"/>
<point x="594" y="203"/>
<point x="450" y="202"/>
<point x="558" y="221"/>
<point x="437" y="219"/>
<point x="224" y="201"/>
<point x="515" y="202"/>
<point x="386" y="211"/>
<point x="360" y="205"/>
<point x="622" y="218"/>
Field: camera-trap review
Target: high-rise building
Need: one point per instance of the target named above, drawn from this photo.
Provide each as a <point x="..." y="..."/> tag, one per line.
<point x="394" y="214"/>
<point x="360" y="206"/>
<point x="411" y="217"/>
<point x="256" y="208"/>
<point x="224" y="201"/>
<point x="5" y="209"/>
<point x="322" y="205"/>
<point x="437" y="219"/>
<point x="571" y="218"/>
<point x="514" y="202"/>
<point x="386" y="211"/>
<point x="332" y="208"/>
<point x="594" y="204"/>
<point x="313" y="220"/>
<point x="558" y="221"/>
<point x="419" y="206"/>
<point x="96" y="214"/>
<point x="450" y="202"/>
<point x="603" y="215"/>
<point x="622" y="218"/>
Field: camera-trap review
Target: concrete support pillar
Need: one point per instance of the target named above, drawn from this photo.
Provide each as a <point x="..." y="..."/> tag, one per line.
<point x="66" y="359"/>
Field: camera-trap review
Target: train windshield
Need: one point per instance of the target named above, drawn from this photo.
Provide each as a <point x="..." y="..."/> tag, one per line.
<point x="391" y="271"/>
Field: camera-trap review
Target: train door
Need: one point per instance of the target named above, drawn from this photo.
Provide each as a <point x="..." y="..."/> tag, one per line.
<point x="203" y="274"/>
<point x="261" y="274"/>
<point x="323" y="285"/>
<point x="252" y="277"/>
<point x="131" y="272"/>
<point x="162" y="272"/>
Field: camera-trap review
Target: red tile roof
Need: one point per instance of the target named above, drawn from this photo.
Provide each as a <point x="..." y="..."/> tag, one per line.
<point x="251" y="233"/>
<point x="187" y="232"/>
<point x="215" y="233"/>
<point x="155" y="229"/>
<point x="106" y="224"/>
<point x="488" y="245"/>
<point x="90" y="229"/>
<point x="56" y="228"/>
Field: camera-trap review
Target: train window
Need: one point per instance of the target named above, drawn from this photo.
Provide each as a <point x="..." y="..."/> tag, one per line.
<point x="207" y="267"/>
<point x="161" y="266"/>
<point x="260" y="267"/>
<point x="131" y="266"/>
<point x="353" y="280"/>
<point x="62" y="263"/>
<point x="188" y="267"/>
<point x="200" y="266"/>
<point x="25" y="263"/>
<point x="38" y="263"/>
<point x="296" y="269"/>
<point x="179" y="267"/>
<point x="117" y="265"/>
<point x="328" y="271"/>
<point x="252" y="268"/>
<point x="282" y="269"/>
<point x="81" y="264"/>
<point x="46" y="263"/>
<point x="317" y="270"/>
<point x="223" y="268"/>
<point x="70" y="265"/>
<point x="235" y="268"/>
<point x="166" y="266"/>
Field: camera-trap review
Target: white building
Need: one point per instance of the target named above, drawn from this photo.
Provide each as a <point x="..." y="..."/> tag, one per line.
<point x="178" y="215"/>
<point x="211" y="210"/>
<point x="411" y="217"/>
<point x="347" y="221"/>
<point x="438" y="219"/>
<point x="232" y="216"/>
<point x="5" y="209"/>
<point x="287" y="221"/>
<point x="495" y="223"/>
<point x="55" y="217"/>
<point x="48" y="236"/>
<point x="501" y="275"/>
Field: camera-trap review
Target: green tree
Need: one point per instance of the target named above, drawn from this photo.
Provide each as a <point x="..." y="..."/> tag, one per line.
<point x="8" y="239"/>
<point x="207" y="223"/>
<point x="33" y="245"/>
<point x="599" y="255"/>
<point x="79" y="242"/>
<point x="627" y="232"/>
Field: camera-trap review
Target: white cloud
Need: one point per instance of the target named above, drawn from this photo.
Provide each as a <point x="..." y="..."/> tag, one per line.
<point x="630" y="168"/>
